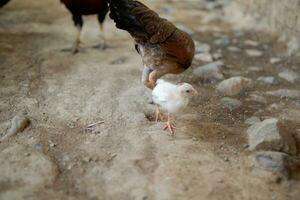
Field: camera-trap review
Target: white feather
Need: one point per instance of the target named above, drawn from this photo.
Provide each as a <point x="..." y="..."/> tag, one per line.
<point x="170" y="97"/>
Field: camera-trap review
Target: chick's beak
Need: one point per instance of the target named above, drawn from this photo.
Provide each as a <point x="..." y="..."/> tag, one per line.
<point x="195" y="92"/>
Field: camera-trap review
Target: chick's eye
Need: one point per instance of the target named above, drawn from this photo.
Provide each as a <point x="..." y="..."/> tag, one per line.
<point x="188" y="91"/>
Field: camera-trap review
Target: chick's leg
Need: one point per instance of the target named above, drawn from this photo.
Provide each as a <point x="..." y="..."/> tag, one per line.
<point x="158" y="114"/>
<point x="170" y="125"/>
<point x="78" y="23"/>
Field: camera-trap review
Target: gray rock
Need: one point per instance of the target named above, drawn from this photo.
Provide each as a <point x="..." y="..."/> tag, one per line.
<point x="279" y="163"/>
<point x="274" y="60"/>
<point x="257" y="98"/>
<point x="210" y="71"/>
<point x="223" y="41"/>
<point x="285" y="93"/>
<point x="233" y="49"/>
<point x="230" y="103"/>
<point x="217" y="56"/>
<point x="204" y="57"/>
<point x="267" y="136"/>
<point x="289" y="76"/>
<point x="255" y="69"/>
<point x="234" y="85"/>
<point x="251" y="43"/>
<point x="252" y="120"/>
<point x="267" y="80"/>
<point x="18" y="124"/>
<point x="254" y="53"/>
<point x="202" y="47"/>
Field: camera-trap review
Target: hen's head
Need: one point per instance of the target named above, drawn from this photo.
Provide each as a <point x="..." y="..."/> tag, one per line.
<point x="187" y="90"/>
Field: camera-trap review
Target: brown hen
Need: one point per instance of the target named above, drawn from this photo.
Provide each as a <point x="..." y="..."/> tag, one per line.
<point x="163" y="47"/>
<point x="78" y="8"/>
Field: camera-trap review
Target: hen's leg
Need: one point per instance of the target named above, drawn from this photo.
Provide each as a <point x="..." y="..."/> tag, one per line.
<point x="78" y="23"/>
<point x="170" y="125"/>
<point x="158" y="114"/>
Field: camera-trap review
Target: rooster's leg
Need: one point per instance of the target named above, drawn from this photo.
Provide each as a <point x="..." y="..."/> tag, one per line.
<point x="158" y="114"/>
<point x="101" y="17"/>
<point x="170" y="125"/>
<point x="78" y="23"/>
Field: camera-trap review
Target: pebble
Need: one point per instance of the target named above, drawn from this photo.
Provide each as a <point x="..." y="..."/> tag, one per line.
<point x="255" y="69"/>
<point x="223" y="41"/>
<point x="18" y="124"/>
<point x="274" y="60"/>
<point x="279" y="163"/>
<point x="210" y="71"/>
<point x="289" y="76"/>
<point x="234" y="85"/>
<point x="202" y="47"/>
<point x="204" y="57"/>
<point x="267" y="136"/>
<point x="51" y="144"/>
<point x="233" y="49"/>
<point x="257" y="98"/>
<point x="254" y="53"/>
<point x="267" y="80"/>
<point x="251" y="43"/>
<point x="217" y="56"/>
<point x="252" y="120"/>
<point x="285" y="93"/>
<point x="230" y="103"/>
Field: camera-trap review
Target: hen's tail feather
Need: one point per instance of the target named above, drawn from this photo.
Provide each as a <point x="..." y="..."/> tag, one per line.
<point x="140" y="21"/>
<point x="121" y="13"/>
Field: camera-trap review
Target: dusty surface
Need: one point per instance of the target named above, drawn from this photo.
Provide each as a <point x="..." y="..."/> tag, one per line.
<point x="128" y="156"/>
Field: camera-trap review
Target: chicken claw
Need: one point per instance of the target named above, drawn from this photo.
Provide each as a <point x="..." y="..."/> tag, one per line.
<point x="159" y="116"/>
<point x="170" y="125"/>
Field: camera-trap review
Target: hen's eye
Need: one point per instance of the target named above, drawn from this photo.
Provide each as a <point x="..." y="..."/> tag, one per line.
<point x="188" y="91"/>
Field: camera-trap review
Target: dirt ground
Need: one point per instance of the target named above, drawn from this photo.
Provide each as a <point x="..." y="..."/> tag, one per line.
<point x="128" y="156"/>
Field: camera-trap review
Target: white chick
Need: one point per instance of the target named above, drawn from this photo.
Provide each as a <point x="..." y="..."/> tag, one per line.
<point x="171" y="98"/>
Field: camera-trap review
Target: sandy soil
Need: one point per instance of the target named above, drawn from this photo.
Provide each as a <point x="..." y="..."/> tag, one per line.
<point x="128" y="156"/>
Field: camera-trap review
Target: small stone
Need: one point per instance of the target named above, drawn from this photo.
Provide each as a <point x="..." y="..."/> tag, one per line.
<point x="254" y="53"/>
<point x="285" y="93"/>
<point x="51" y="144"/>
<point x="257" y="98"/>
<point x="233" y="49"/>
<point x="87" y="159"/>
<point x="204" y="57"/>
<point x="18" y="124"/>
<point x="231" y="104"/>
<point x="246" y="146"/>
<point x="217" y="56"/>
<point x="289" y="76"/>
<point x="226" y="159"/>
<point x="252" y="120"/>
<point x="27" y="154"/>
<point x="234" y="85"/>
<point x="267" y="80"/>
<point x="210" y="71"/>
<point x="279" y="163"/>
<point x="223" y="41"/>
<point x="298" y="103"/>
<point x="274" y="60"/>
<point x="254" y="69"/>
<point x="202" y="47"/>
<point x="266" y="135"/>
<point x="251" y="43"/>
